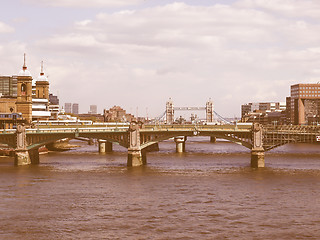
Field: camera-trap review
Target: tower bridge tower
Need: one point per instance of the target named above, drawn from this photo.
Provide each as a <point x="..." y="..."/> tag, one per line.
<point x="169" y="112"/>
<point x="209" y="111"/>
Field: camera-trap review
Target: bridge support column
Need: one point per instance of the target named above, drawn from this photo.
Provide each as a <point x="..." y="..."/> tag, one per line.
<point x="109" y="146"/>
<point x="102" y="146"/>
<point x="21" y="156"/>
<point x="180" y="144"/>
<point x="34" y="156"/>
<point x="257" y="151"/>
<point x="257" y="158"/>
<point x="213" y="139"/>
<point x="135" y="158"/>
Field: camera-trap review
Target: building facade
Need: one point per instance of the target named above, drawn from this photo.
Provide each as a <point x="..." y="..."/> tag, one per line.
<point x="68" y="107"/>
<point x="75" y="108"/>
<point x="93" y="109"/>
<point x="264" y="112"/>
<point x="8" y="86"/>
<point x="304" y="104"/>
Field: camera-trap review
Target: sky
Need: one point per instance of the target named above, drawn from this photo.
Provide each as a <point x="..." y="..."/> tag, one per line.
<point x="139" y="53"/>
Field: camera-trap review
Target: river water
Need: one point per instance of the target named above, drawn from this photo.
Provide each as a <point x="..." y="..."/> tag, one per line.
<point x="209" y="192"/>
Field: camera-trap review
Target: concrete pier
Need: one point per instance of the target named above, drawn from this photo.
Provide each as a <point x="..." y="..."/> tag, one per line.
<point x="21" y="157"/>
<point x="257" y="159"/>
<point x="34" y="156"/>
<point x="102" y="146"/>
<point x="180" y="144"/>
<point x="109" y="146"/>
<point x="135" y="158"/>
<point x="257" y="150"/>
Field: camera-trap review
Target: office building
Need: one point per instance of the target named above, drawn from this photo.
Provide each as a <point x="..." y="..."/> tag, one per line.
<point x="93" y="109"/>
<point x="68" y="108"/>
<point x="304" y="104"/>
<point x="75" y="108"/>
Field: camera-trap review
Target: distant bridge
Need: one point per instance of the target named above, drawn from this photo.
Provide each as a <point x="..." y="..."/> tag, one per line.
<point x="137" y="138"/>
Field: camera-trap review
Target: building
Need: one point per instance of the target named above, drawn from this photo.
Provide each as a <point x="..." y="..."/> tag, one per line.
<point x="25" y="96"/>
<point x="40" y="101"/>
<point x="116" y="114"/>
<point x="264" y="112"/>
<point x="75" y="108"/>
<point x="263" y="106"/>
<point x="67" y="108"/>
<point x="8" y="86"/>
<point x="304" y="104"/>
<point x="53" y="100"/>
<point x="93" y="109"/>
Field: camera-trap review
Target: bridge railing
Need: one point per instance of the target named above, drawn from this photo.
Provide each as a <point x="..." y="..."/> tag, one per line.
<point x="72" y="130"/>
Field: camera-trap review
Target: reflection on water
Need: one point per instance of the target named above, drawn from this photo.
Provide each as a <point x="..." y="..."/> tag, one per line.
<point x="209" y="192"/>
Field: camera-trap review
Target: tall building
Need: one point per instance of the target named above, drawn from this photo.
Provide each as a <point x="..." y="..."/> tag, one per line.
<point x="8" y="86"/>
<point x="67" y="108"/>
<point x="75" y="108"/>
<point x="304" y="104"/>
<point x="93" y="109"/>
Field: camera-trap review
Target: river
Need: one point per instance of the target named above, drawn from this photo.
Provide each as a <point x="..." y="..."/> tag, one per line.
<point x="209" y="192"/>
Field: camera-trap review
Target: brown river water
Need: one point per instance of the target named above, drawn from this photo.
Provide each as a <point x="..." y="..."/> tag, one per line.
<point x="209" y="192"/>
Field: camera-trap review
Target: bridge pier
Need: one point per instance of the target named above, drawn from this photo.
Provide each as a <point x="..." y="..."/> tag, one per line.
<point x="257" y="150"/>
<point x="257" y="158"/>
<point x="21" y="157"/>
<point x="104" y="146"/>
<point x="34" y="156"/>
<point x="213" y="139"/>
<point x="136" y="158"/>
<point x="180" y="144"/>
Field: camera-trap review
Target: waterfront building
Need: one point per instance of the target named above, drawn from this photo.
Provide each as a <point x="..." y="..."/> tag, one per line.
<point x="25" y="96"/>
<point x="264" y="112"/>
<point x="304" y="104"/>
<point x="116" y="114"/>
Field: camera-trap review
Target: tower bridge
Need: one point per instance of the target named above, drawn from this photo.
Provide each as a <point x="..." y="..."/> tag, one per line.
<point x="211" y="115"/>
<point x="138" y="138"/>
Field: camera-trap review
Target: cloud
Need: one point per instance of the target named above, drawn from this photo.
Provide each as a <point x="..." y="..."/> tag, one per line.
<point x="234" y="54"/>
<point x="85" y="3"/>
<point x="291" y="8"/>
<point x="4" y="28"/>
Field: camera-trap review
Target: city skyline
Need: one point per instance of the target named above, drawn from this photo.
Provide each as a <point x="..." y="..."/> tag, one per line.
<point x="141" y="54"/>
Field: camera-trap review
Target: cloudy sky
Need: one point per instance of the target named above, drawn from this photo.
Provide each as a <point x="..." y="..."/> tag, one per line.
<point x="139" y="53"/>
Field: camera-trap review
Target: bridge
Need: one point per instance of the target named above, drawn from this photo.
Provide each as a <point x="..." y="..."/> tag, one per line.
<point x="137" y="138"/>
